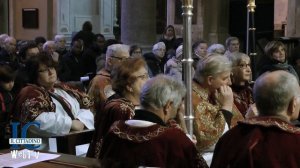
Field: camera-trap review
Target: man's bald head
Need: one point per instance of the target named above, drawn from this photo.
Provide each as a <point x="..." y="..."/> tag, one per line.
<point x="273" y="92"/>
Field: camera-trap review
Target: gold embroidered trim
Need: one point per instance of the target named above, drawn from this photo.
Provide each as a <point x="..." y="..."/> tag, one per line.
<point x="33" y="107"/>
<point x="136" y="137"/>
<point x="98" y="147"/>
<point x="83" y="99"/>
<point x="271" y="122"/>
<point x="125" y="106"/>
<point x="209" y="122"/>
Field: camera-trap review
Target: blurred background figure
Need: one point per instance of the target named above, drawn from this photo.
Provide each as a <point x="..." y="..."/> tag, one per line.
<point x="174" y="65"/>
<point x="40" y="41"/>
<point x="50" y="48"/>
<point x="60" y="45"/>
<point x="2" y="38"/>
<point x="86" y="34"/>
<point x="232" y="45"/>
<point x="154" y="59"/>
<point x="169" y="38"/>
<point x="199" y="50"/>
<point x="7" y="78"/>
<point x="135" y="51"/>
<point x="8" y="53"/>
<point x="216" y="49"/>
<point x="71" y="66"/>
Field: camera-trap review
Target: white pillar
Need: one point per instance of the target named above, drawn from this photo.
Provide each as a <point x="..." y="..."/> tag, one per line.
<point x="107" y="18"/>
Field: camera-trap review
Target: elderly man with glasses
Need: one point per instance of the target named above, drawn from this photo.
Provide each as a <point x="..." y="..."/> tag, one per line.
<point x="100" y="87"/>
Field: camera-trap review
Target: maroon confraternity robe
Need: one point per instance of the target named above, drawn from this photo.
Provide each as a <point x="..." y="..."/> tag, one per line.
<point x="151" y="146"/>
<point x="259" y="142"/>
<point x="242" y="96"/>
<point x="100" y="89"/>
<point x="115" y="108"/>
<point x="34" y="100"/>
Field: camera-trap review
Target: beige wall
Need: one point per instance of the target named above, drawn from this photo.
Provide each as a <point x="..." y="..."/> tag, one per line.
<point x="293" y="20"/>
<point x="215" y="20"/>
<point x="280" y="13"/>
<point x="45" y="19"/>
<point x="3" y="16"/>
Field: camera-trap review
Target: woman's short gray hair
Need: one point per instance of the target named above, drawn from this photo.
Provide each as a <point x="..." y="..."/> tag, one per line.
<point x="212" y="66"/>
<point x="160" y="89"/>
<point x="216" y="48"/>
<point x="114" y="48"/>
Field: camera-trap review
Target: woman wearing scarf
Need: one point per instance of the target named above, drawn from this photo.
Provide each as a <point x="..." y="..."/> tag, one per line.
<point x="276" y="59"/>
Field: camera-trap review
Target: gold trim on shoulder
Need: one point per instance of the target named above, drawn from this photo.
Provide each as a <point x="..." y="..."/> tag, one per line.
<point x="272" y="122"/>
<point x="137" y="137"/>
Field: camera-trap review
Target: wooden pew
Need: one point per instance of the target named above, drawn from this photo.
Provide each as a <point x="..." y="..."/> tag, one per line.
<point x="67" y="143"/>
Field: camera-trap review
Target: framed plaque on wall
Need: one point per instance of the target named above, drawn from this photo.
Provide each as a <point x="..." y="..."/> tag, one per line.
<point x="30" y="18"/>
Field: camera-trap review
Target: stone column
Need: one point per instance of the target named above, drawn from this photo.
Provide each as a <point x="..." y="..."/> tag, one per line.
<point x="280" y="18"/>
<point x="107" y="18"/>
<point x="197" y="27"/>
<point x="293" y="19"/>
<point x="4" y="16"/>
<point x="215" y="21"/>
<point x="138" y="22"/>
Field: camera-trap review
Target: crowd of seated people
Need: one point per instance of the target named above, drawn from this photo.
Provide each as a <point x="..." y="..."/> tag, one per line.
<point x="134" y="99"/>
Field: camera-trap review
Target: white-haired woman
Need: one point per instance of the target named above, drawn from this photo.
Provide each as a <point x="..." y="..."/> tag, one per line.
<point x="173" y="67"/>
<point x="213" y="104"/>
<point x="241" y="76"/>
<point x="216" y="48"/>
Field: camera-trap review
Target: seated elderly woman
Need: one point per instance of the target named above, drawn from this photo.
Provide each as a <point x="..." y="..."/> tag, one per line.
<point x="127" y="81"/>
<point x="212" y="102"/>
<point x="173" y="67"/>
<point x="58" y="107"/>
<point x="240" y="78"/>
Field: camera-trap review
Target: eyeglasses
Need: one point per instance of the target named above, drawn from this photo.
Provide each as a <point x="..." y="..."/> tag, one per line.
<point x="119" y="58"/>
<point x="144" y="76"/>
<point x="46" y="70"/>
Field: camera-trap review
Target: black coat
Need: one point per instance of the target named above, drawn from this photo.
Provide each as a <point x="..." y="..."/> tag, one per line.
<point x="155" y="65"/>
